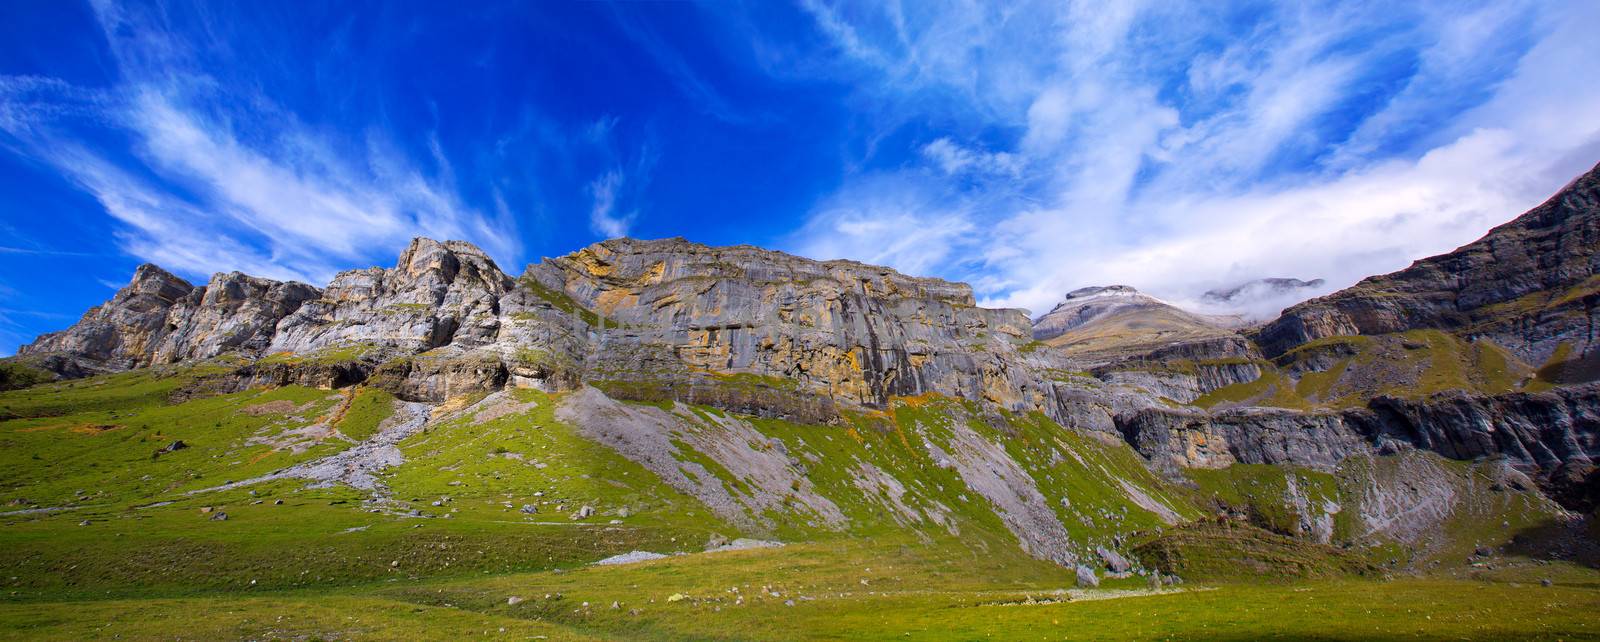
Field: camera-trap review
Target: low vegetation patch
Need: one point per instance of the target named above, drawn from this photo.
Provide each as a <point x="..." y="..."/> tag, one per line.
<point x="1226" y="549"/>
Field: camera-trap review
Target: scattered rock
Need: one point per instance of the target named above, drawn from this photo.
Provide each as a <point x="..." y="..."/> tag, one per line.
<point x="629" y="558"/>
<point x="744" y="544"/>
<point x="1086" y="577"/>
<point x="1546" y="582"/>
<point x="1115" y="562"/>
<point x="513" y="600"/>
<point x="219" y="517"/>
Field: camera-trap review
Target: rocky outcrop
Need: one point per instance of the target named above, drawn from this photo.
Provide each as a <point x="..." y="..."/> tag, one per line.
<point x="159" y="318"/>
<point x="1175" y="438"/>
<point x="1542" y="430"/>
<point x="853" y="333"/>
<point x="1529" y="285"/>
<point x="438" y="294"/>
<point x="1538" y="432"/>
<point x="664" y="315"/>
<point x="233" y="312"/>
<point x="124" y="332"/>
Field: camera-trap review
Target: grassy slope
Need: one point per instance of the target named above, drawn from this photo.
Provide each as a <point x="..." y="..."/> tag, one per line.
<point x="1260" y="490"/>
<point x="317" y="537"/>
<point x="1414" y="364"/>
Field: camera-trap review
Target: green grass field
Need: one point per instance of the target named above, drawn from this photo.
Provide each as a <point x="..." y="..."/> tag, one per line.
<point x="831" y="591"/>
<point x="109" y="534"/>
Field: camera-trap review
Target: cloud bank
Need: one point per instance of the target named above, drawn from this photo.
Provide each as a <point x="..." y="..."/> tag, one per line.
<point x="1179" y="149"/>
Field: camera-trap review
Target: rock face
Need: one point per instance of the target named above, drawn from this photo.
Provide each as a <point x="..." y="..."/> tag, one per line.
<point x="850" y="332"/>
<point x="1174" y="439"/>
<point x="1539" y="432"/>
<point x="668" y="315"/>
<point x="160" y="318"/>
<point x="1529" y="285"/>
<point x="438" y="294"/>
<point x="232" y="312"/>
<point x="767" y="333"/>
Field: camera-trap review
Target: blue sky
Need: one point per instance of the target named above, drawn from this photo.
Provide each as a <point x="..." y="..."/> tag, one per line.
<point x="1028" y="149"/>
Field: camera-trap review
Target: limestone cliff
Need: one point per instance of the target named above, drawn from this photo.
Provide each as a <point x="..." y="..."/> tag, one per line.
<point x="654" y="315"/>
<point x="1545" y="433"/>
<point x="853" y="333"/>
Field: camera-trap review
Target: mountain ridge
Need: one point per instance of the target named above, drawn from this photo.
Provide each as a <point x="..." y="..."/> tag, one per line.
<point x="1529" y="284"/>
<point x="769" y="334"/>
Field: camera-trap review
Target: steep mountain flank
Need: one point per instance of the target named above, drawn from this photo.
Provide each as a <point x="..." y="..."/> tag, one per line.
<point x="1528" y="285"/>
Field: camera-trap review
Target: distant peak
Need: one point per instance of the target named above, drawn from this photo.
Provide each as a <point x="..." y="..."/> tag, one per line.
<point x="1101" y="289"/>
<point x="1259" y="288"/>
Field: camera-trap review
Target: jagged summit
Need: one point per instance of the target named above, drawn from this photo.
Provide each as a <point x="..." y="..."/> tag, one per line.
<point x="446" y="319"/>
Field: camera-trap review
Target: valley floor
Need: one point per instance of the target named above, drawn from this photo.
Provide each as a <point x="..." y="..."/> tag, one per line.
<point x="826" y="591"/>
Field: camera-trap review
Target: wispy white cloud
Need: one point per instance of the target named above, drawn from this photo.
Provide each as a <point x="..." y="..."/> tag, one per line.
<point x="224" y="178"/>
<point x="888" y="220"/>
<point x="603" y="217"/>
<point x="1175" y="150"/>
<point x="954" y="158"/>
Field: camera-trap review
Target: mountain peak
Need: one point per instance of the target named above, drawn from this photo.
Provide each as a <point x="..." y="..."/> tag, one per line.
<point x="1259" y="289"/>
<point x="1095" y="290"/>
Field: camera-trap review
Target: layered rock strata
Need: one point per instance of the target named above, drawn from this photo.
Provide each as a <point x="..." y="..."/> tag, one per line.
<point x="1530" y="285"/>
